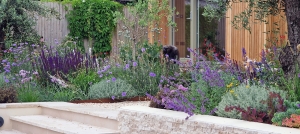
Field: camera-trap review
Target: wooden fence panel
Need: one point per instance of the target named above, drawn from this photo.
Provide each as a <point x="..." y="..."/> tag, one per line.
<point x="236" y="39"/>
<point x="53" y="29"/>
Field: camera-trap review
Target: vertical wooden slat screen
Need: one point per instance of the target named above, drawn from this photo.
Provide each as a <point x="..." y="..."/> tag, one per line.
<point x="236" y="39"/>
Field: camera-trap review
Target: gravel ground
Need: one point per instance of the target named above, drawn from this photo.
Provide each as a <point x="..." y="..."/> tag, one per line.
<point x="118" y="105"/>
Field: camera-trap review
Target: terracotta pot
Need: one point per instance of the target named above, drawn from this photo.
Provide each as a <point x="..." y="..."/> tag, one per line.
<point x="109" y="100"/>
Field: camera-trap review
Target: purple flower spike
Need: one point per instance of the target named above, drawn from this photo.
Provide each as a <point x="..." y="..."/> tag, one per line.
<point x="244" y="52"/>
<point x="113" y="97"/>
<point x="113" y="79"/>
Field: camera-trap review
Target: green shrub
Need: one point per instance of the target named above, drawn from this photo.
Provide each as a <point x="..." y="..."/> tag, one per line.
<point x="83" y="79"/>
<point x="8" y="95"/>
<point x="206" y="97"/>
<point x="111" y="89"/>
<point x="246" y="96"/>
<point x="292" y="108"/>
<point x="63" y="95"/>
<point x="28" y="95"/>
<point x="138" y="76"/>
<point x="152" y="51"/>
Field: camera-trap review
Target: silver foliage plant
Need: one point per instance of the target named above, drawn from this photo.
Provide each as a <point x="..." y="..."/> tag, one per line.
<point x="114" y="88"/>
<point x="246" y="96"/>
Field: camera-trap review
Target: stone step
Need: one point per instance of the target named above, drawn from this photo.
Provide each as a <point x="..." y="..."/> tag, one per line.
<point x="90" y="115"/>
<point x="42" y="124"/>
<point x="10" y="132"/>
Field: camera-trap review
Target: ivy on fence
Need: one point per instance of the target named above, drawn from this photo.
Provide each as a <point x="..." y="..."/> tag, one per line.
<point x="93" y="20"/>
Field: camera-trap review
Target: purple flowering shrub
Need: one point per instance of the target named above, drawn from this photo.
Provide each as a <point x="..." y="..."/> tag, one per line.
<point x="172" y="96"/>
<point x="143" y="74"/>
<point x="53" y="64"/>
<point x="268" y="72"/>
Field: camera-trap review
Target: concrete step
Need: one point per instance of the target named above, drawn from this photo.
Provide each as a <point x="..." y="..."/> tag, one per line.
<point x="95" y="116"/>
<point x="10" y="132"/>
<point x="42" y="124"/>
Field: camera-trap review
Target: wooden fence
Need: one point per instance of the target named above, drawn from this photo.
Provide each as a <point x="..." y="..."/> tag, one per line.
<point x="254" y="42"/>
<point x="53" y="30"/>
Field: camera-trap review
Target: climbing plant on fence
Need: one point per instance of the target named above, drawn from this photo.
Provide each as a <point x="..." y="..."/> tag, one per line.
<point x="93" y="20"/>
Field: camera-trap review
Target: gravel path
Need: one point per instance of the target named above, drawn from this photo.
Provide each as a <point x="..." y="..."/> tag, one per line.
<point x="118" y="105"/>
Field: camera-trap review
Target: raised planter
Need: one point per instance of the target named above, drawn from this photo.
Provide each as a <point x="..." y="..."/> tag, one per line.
<point x="146" y="120"/>
<point x="109" y="100"/>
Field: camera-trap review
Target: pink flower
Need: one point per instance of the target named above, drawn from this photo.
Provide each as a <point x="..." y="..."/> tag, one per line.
<point x="182" y="88"/>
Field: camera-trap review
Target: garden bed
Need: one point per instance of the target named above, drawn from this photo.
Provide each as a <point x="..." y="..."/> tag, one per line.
<point x="109" y="100"/>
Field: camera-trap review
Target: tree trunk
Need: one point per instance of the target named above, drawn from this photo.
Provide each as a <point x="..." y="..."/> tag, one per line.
<point x="289" y="55"/>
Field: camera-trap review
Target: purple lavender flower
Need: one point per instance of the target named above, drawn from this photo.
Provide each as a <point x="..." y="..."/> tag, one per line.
<point x="14" y="45"/>
<point x="99" y="72"/>
<point x="299" y="75"/>
<point x="6" y="81"/>
<point x="212" y="77"/>
<point x="143" y="49"/>
<point x="134" y="64"/>
<point x="151" y="74"/>
<point x="113" y="97"/>
<point x="298" y="105"/>
<point x="213" y="111"/>
<point x="203" y="109"/>
<point x="123" y="94"/>
<point x="244" y="52"/>
<point x="7" y="71"/>
<point x="113" y="79"/>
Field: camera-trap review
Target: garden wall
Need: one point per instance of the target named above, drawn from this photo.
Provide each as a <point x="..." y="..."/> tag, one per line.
<point x="146" y="120"/>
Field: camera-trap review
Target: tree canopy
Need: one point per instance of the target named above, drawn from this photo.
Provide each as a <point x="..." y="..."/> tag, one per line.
<point x="17" y="19"/>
